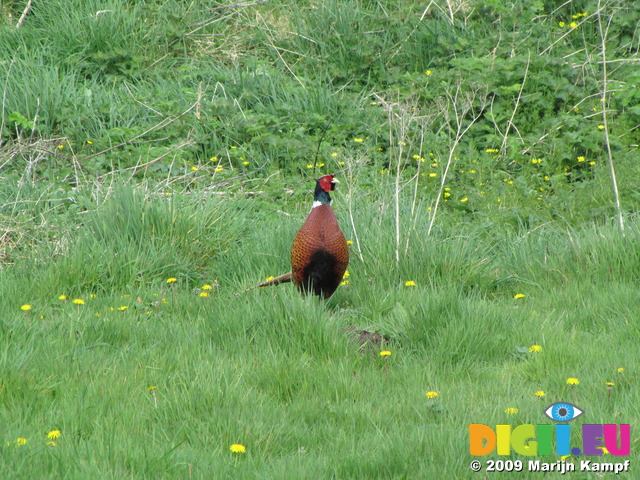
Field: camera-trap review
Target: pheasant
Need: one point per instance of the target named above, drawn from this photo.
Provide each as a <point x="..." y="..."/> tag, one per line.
<point x="319" y="254"/>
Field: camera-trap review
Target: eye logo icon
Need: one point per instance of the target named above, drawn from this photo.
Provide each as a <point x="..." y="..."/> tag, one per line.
<point x="562" y="412"/>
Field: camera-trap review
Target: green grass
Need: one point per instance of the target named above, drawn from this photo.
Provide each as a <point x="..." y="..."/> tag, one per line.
<point x="161" y="140"/>
<point x="277" y="372"/>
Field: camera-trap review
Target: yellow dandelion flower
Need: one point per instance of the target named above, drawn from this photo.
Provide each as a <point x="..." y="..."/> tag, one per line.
<point x="358" y="140"/>
<point x="604" y="450"/>
<point x="621" y="369"/>
<point x="213" y="159"/>
<point x="447" y="194"/>
<point x="89" y="142"/>
<point x="349" y="242"/>
<point x="53" y="434"/>
<point x="193" y="169"/>
<point x="561" y="24"/>
<point x="379" y="149"/>
<point x="93" y="295"/>
<point x="334" y="155"/>
<point x="546" y="178"/>
<point x="346" y="274"/>
<point x="519" y="295"/>
<point x="433" y="175"/>
<point x="385" y="353"/>
<point x="62" y="297"/>
<point x="171" y="280"/>
<point x="123" y="308"/>
<point x="540" y="393"/>
<point x="410" y="283"/>
<point x="151" y="388"/>
<point x="535" y="348"/>
<point x="21" y="441"/>
<point x="309" y="165"/>
<point x="344" y="282"/>
<point x="268" y="279"/>
<point x="581" y="159"/>
<point x="340" y="163"/>
<point x="511" y="411"/>
<point x="207" y="287"/>
<point x="245" y="163"/>
<point x="610" y="384"/>
<point x="430" y="395"/>
<point x="204" y="294"/>
<point x="573" y="24"/>
<point x="428" y="73"/>
<point x="219" y="169"/>
<point x="78" y="301"/>
<point x="238" y="448"/>
<point x="573" y="381"/>
<point x="464" y="200"/>
<point x="600" y="127"/>
<point x="25" y="307"/>
<point x="233" y="147"/>
<point x="60" y="147"/>
<point x="492" y="150"/>
<point x="51" y="443"/>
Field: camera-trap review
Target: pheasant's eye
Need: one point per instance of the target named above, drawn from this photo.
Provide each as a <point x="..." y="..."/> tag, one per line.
<point x="562" y="412"/>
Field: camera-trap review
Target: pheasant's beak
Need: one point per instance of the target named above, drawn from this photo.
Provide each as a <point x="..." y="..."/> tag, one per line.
<point x="335" y="180"/>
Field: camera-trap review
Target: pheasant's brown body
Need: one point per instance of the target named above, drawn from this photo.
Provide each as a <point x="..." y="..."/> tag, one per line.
<point x="319" y="255"/>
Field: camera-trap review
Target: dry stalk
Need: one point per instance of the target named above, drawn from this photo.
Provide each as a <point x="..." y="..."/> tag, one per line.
<point x="24" y="14"/>
<point x="603" y="49"/>
<point x="510" y="123"/>
<point x="460" y="132"/>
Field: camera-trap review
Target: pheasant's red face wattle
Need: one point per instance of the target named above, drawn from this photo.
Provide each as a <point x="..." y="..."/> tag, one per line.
<point x="327" y="183"/>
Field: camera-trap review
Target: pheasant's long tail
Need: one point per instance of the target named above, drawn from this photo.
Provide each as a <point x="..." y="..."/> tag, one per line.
<point x="274" y="281"/>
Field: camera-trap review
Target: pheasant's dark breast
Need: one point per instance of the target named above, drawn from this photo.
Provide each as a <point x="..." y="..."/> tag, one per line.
<point x="319" y="256"/>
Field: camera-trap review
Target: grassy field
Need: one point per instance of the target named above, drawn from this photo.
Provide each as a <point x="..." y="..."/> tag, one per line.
<point x="154" y="160"/>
